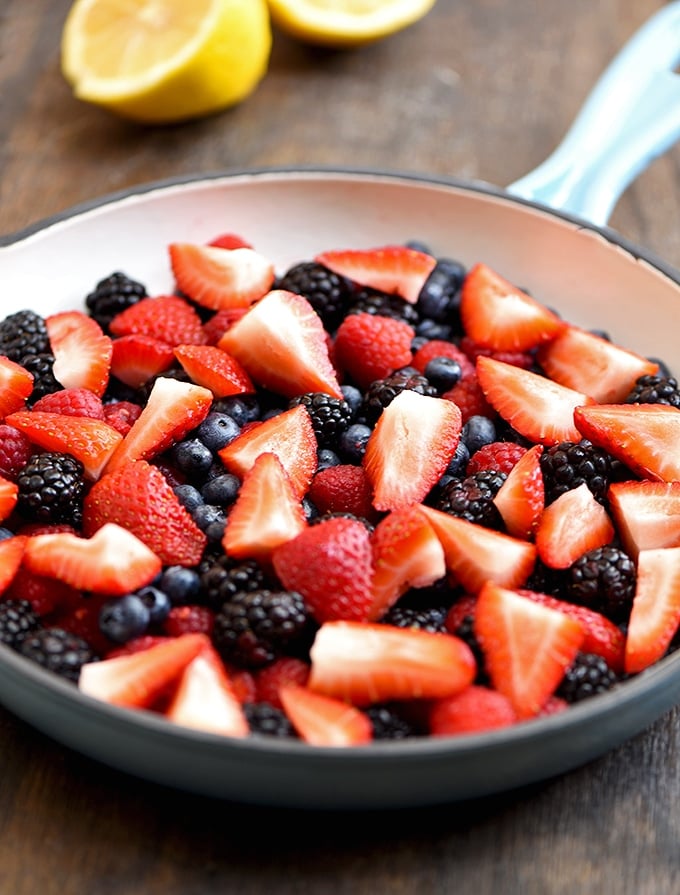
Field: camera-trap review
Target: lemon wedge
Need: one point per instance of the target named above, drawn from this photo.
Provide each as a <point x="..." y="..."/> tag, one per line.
<point x="159" y="61"/>
<point x="345" y="23"/>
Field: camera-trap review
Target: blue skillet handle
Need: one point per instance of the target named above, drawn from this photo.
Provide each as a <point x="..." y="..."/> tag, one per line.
<point x="631" y="116"/>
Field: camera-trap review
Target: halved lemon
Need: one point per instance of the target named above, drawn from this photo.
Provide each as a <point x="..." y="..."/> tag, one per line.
<point x="159" y="61"/>
<point x="346" y="23"/>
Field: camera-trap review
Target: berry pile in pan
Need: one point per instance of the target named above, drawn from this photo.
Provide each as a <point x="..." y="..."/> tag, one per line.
<point x="377" y="495"/>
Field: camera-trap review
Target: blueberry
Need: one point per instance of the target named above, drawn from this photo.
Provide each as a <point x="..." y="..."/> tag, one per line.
<point x="478" y="431"/>
<point x="430" y="329"/>
<point x="352" y="396"/>
<point x="443" y="373"/>
<point x="241" y="408"/>
<point x="192" y="457"/>
<point x="209" y="515"/>
<point x="458" y="463"/>
<point x="439" y="299"/>
<point x="5" y="533"/>
<point x="217" y="430"/>
<point x="310" y="510"/>
<point x="221" y="490"/>
<point x="418" y="246"/>
<point x="180" y="584"/>
<point x="156" y="601"/>
<point x="271" y="413"/>
<point x="325" y="458"/>
<point x="189" y="497"/>
<point x="353" y="441"/>
<point x="124" y="618"/>
<point x="418" y="342"/>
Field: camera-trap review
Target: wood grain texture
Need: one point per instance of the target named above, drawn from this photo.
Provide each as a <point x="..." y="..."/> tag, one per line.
<point x="481" y="90"/>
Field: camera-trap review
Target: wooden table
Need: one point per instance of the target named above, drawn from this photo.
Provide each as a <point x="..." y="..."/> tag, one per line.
<point x="479" y="90"/>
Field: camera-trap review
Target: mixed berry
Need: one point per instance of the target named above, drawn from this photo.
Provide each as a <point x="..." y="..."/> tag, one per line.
<point x="375" y="496"/>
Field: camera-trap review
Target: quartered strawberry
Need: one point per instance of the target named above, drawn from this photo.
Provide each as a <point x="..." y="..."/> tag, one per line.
<point x="9" y="491"/>
<point x="266" y="513"/>
<point x="290" y="436"/>
<point x="11" y="554"/>
<point x="137" y="358"/>
<point x="137" y="680"/>
<point x="409" y="449"/>
<point x="406" y="553"/>
<point x="229" y="241"/>
<point x="72" y="402"/>
<point x="330" y="564"/>
<point x="91" y="441"/>
<point x="655" y="616"/>
<point x="474" y="710"/>
<point x="213" y="368"/>
<point x="168" y="318"/>
<point x="323" y="720"/>
<point x="137" y="497"/>
<point x="538" y="408"/>
<point x="16" y="385"/>
<point x="646" y="514"/>
<point x="113" y="561"/>
<point x="591" y="364"/>
<point x="282" y="344"/>
<point x="369" y="663"/>
<point x="527" y="647"/>
<point x="498" y="315"/>
<point x="205" y="699"/>
<point x="475" y="554"/>
<point x="570" y="526"/>
<point x="82" y="351"/>
<point x="397" y="270"/>
<point x="646" y="437"/>
<point x="216" y="277"/>
<point x="282" y="671"/>
<point x="370" y="346"/>
<point x="344" y="488"/>
<point x="172" y="409"/>
<point x="521" y="498"/>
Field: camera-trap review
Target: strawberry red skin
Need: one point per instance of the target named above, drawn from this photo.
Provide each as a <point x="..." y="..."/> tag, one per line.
<point x="168" y="318"/>
<point x="16" y="385"/>
<point x="11" y="554"/>
<point x="213" y="368"/>
<point x="82" y="351"/>
<point x="474" y="710"/>
<point x="394" y="269"/>
<point x="282" y="671"/>
<point x="229" y="241"/>
<point x="324" y="721"/>
<point x="137" y="358"/>
<point x="9" y="492"/>
<point x="521" y="498"/>
<point x="369" y="346"/>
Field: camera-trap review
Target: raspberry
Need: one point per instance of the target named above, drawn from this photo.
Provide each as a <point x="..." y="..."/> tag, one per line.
<point x="136" y="645"/>
<point x="166" y="317"/>
<point x="191" y="619"/>
<point x="370" y="346"/>
<point x="220" y="322"/>
<point x="469" y="397"/>
<point x="286" y="670"/>
<point x="121" y="415"/>
<point x="516" y="358"/>
<point x="72" y="402"/>
<point x="498" y="455"/>
<point x="342" y="489"/>
<point x="15" y="451"/>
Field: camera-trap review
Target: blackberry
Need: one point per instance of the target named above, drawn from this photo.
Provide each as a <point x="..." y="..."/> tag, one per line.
<point x="17" y="620"/>
<point x="466" y="632"/>
<point x="58" y="651"/>
<point x="252" y="629"/>
<point x="471" y="498"/>
<point x="23" y="335"/>
<point x="330" y="416"/>
<point x="383" y="391"/>
<point x="339" y="514"/>
<point x="52" y="488"/>
<point x="588" y="675"/>
<point x="603" y="579"/>
<point x="327" y="292"/>
<point x="387" y="724"/>
<point x="222" y="577"/>
<point x="113" y="295"/>
<point x="655" y="390"/>
<point x="372" y="301"/>
<point x="41" y="367"/>
<point x="266" y="719"/>
<point x="431" y="618"/>
<point x="571" y="463"/>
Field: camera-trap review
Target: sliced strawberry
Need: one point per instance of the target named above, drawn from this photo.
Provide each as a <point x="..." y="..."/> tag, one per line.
<point x="11" y="554"/>
<point x="137" y="497"/>
<point x="205" y="698"/>
<point x="290" y="436"/>
<point x="406" y="553"/>
<point x="646" y="437"/>
<point x="138" y="679"/>
<point x="283" y="670"/>
<point x="521" y="498"/>
<point x="213" y="368"/>
<point x="408" y="451"/>
<point x="137" y="358"/>
<point x="368" y="663"/>
<point x="16" y="385"/>
<point x="230" y="241"/>
<point x="475" y="554"/>
<point x="217" y="278"/>
<point x="168" y="318"/>
<point x="266" y="513"/>
<point x="46" y="595"/>
<point x="282" y="344"/>
<point x="570" y="526"/>
<point x="655" y="616"/>
<point x="474" y="710"/>
<point x="81" y="349"/>
<point x="173" y="409"/>
<point x="498" y="315"/>
<point x="538" y="408"/>
<point x="9" y="491"/>
<point x="646" y="514"/>
<point x="323" y="720"/>
<point x="588" y="363"/>
<point x="397" y="270"/>
<point x="330" y="564"/>
<point x="343" y="489"/>
<point x="371" y="346"/>
<point x="72" y="402"/>
<point x="527" y="647"/>
<point x="113" y="561"/>
<point x="93" y="442"/>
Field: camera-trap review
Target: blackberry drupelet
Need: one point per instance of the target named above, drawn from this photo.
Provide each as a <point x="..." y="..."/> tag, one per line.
<point x="382" y="392"/>
<point x="327" y="292"/>
<point x="655" y="390"/>
<point x="387" y="724"/>
<point x="330" y="416"/>
<point x="466" y="632"/>
<point x="588" y="675"/>
<point x="52" y="488"/>
<point x="112" y="295"/>
<point x="603" y="579"/>
<point x="571" y="463"/>
<point x="266" y="719"/>
<point x="222" y="577"/>
<point x="339" y="514"/>
<point x="430" y="618"/>
<point x="471" y="498"/>
<point x="23" y="335"/>
<point x="41" y="367"/>
<point x="58" y="651"/>
<point x="251" y="629"/>
<point x="17" y="620"/>
<point x="372" y="301"/>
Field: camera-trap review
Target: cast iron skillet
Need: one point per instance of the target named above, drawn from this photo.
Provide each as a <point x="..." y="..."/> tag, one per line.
<point x="547" y="232"/>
